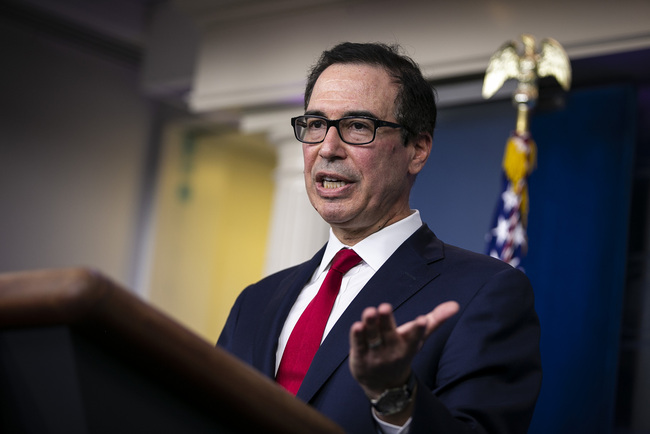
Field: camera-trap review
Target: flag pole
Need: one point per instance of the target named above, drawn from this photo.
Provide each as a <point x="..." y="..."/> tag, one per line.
<point x="507" y="239"/>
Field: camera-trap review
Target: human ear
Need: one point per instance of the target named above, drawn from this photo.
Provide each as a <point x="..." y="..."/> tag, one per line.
<point x="421" y="150"/>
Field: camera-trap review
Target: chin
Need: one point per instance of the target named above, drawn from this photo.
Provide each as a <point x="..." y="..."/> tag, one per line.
<point x="332" y="216"/>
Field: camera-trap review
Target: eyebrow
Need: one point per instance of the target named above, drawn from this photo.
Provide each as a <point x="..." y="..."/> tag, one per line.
<point x="363" y="113"/>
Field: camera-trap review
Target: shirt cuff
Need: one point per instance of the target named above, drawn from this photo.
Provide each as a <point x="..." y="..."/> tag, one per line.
<point x="388" y="428"/>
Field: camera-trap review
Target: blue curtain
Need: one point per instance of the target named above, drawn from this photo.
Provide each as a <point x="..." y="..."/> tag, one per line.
<point x="578" y="229"/>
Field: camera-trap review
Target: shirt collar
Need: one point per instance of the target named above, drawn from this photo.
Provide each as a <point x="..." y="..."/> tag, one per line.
<point x="378" y="247"/>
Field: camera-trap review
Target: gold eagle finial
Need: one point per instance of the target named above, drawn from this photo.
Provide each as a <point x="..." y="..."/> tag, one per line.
<point x="524" y="63"/>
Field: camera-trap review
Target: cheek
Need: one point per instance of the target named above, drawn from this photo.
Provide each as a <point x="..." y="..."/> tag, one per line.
<point x="392" y="164"/>
<point x="308" y="158"/>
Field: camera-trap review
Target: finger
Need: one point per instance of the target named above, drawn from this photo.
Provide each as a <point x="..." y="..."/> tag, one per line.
<point x="369" y="316"/>
<point x="413" y="332"/>
<point x="386" y="320"/>
<point x="439" y="315"/>
<point x="370" y="319"/>
<point x="358" y="341"/>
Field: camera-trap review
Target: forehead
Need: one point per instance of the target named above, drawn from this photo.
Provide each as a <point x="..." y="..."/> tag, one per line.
<point x="344" y="89"/>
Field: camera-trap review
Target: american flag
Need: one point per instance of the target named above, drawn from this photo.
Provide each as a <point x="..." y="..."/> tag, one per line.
<point x="507" y="238"/>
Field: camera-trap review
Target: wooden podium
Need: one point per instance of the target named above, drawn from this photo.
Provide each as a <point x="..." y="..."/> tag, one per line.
<point x="79" y="354"/>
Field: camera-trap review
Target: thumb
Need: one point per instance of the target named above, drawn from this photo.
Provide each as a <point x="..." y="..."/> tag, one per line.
<point x="439" y="315"/>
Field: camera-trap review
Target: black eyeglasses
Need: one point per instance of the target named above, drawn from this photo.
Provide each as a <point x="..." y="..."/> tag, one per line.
<point x="353" y="130"/>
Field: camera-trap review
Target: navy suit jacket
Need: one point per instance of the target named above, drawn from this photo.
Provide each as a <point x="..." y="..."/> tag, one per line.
<point x="480" y="372"/>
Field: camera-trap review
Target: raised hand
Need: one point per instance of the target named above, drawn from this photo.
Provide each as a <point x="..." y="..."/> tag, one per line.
<point x="381" y="353"/>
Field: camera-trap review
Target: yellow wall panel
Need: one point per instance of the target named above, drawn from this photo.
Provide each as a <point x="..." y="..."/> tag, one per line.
<point x="212" y="220"/>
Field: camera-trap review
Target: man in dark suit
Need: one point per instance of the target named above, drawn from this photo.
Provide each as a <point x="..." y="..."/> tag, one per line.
<point x="422" y="336"/>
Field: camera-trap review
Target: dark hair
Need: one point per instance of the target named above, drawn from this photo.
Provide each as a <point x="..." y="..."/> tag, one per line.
<point x="415" y="103"/>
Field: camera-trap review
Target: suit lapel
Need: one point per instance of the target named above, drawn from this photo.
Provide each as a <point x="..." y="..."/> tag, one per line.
<point x="275" y="314"/>
<point x="405" y="273"/>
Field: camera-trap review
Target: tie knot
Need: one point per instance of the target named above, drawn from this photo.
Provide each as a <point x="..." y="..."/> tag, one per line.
<point x="344" y="260"/>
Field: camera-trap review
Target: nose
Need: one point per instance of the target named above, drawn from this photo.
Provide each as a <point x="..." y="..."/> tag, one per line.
<point x="332" y="146"/>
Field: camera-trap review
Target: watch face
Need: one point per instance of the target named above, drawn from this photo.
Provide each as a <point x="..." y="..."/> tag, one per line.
<point x="392" y="401"/>
<point x="395" y="400"/>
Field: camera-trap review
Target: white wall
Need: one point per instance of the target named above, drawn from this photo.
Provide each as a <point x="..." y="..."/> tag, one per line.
<point x="73" y="133"/>
<point x="249" y="58"/>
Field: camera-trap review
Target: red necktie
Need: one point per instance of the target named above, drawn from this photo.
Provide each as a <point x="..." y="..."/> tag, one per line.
<point x="308" y="332"/>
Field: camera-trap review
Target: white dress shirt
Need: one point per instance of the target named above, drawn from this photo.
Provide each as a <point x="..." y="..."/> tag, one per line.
<point x="374" y="252"/>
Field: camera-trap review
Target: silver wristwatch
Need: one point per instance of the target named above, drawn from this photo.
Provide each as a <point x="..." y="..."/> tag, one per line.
<point x="394" y="400"/>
